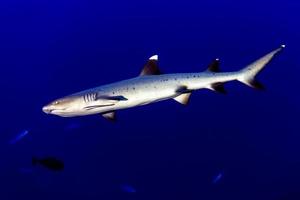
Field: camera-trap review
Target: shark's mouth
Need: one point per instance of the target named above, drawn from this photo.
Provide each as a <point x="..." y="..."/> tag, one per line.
<point x="97" y="106"/>
<point x="55" y="111"/>
<point x="51" y="111"/>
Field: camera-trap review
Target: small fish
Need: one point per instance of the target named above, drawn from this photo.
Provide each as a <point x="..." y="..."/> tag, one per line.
<point x="19" y="137"/>
<point x="49" y="163"/>
<point x="217" y="178"/>
<point x="128" y="188"/>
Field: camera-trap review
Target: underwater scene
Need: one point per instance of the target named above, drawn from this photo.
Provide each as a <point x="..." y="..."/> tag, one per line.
<point x="150" y="100"/>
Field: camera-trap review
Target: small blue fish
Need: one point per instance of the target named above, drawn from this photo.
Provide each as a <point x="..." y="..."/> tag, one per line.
<point x="217" y="178"/>
<point x="19" y="137"/>
<point x="128" y="188"/>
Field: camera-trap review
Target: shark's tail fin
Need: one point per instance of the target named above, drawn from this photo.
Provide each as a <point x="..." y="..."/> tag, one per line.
<point x="247" y="75"/>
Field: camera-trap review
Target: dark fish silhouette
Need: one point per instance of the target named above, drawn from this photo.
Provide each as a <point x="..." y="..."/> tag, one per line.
<point x="50" y="163"/>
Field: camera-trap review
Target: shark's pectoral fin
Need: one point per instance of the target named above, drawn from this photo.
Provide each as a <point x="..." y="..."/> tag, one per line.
<point x="183" y="98"/>
<point x="151" y="67"/>
<point x="111" y="116"/>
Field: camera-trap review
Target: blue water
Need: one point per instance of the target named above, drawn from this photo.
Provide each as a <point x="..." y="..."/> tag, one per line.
<point x="49" y="49"/>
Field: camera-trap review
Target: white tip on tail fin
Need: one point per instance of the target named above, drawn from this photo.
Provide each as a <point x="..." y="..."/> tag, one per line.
<point x="247" y="75"/>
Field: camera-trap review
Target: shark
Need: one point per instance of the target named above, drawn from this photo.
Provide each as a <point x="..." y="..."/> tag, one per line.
<point x="152" y="86"/>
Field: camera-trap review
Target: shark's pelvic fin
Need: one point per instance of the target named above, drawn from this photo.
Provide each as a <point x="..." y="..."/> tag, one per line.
<point x="111" y="116"/>
<point x="184" y="95"/>
<point x="247" y="75"/>
<point x="214" y="66"/>
<point x="183" y="98"/>
<point x="151" y="67"/>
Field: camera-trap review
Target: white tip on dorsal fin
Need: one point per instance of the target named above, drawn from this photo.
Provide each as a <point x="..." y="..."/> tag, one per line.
<point x="151" y="67"/>
<point x="154" y="57"/>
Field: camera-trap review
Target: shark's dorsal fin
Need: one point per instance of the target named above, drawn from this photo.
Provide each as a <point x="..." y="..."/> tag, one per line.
<point x="151" y="67"/>
<point x="111" y="116"/>
<point x="183" y="98"/>
<point x="214" y="66"/>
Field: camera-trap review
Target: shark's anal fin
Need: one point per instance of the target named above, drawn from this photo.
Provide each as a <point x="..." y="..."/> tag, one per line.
<point x="218" y="87"/>
<point x="111" y="116"/>
<point x="183" y="98"/>
<point x="151" y="67"/>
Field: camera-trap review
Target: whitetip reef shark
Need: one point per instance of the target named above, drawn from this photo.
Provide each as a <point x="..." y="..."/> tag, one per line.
<point x="152" y="86"/>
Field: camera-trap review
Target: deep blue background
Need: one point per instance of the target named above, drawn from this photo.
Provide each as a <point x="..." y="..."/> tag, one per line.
<point x="49" y="49"/>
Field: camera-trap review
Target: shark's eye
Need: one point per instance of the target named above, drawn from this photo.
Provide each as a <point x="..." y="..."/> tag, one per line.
<point x="56" y="102"/>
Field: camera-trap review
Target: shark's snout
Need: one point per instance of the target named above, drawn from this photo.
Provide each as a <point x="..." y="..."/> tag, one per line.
<point x="62" y="106"/>
<point x="47" y="109"/>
